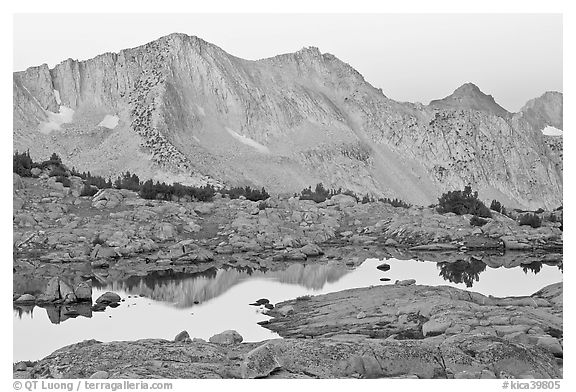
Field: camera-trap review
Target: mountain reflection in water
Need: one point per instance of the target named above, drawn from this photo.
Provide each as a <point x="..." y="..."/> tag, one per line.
<point x="224" y="296"/>
<point x="184" y="290"/>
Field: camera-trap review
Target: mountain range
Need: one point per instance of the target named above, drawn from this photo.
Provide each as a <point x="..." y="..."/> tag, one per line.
<point x="182" y="109"/>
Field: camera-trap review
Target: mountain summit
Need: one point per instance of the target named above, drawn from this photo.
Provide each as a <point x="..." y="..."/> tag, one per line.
<point x="182" y="109"/>
<point x="469" y="96"/>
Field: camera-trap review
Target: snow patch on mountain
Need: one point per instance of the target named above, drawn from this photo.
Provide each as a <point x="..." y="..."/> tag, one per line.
<point x="552" y="131"/>
<point x="249" y="142"/>
<point x="57" y="97"/>
<point x="55" y="120"/>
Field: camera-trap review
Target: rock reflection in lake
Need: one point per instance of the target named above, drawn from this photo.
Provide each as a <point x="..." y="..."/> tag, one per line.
<point x="185" y="290"/>
<point x="57" y="313"/>
<point x="224" y="298"/>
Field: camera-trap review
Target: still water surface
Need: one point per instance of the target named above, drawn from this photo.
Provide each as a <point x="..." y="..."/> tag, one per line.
<point x="209" y="303"/>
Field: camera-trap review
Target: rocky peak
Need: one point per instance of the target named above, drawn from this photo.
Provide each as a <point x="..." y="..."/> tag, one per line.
<point x="469" y="96"/>
<point x="544" y="111"/>
<point x="284" y="122"/>
<point x="312" y="51"/>
<point x="468" y="89"/>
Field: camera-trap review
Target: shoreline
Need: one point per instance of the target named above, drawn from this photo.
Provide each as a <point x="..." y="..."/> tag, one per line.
<point x="118" y="235"/>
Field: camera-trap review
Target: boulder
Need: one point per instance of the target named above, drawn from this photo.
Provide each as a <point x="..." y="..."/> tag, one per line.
<point x="66" y="292"/>
<point x="25" y="299"/>
<point x="260" y="362"/>
<point x="17" y="182"/>
<point x="295" y="255"/>
<point x="435" y="327"/>
<point x="286" y="310"/>
<point x="107" y="198"/>
<point x="311" y="250"/>
<point x="406" y="282"/>
<point x="76" y="186"/>
<point x="165" y="231"/>
<point x="261" y="301"/>
<point x="203" y="208"/>
<point x="391" y="242"/>
<point x="100" y="375"/>
<point x="108" y="298"/>
<point x="344" y="200"/>
<point x="550" y="344"/>
<point x="103" y="252"/>
<point x="52" y="291"/>
<point x="384" y="267"/>
<point x="182" y="337"/>
<point x="227" y="337"/>
<point x="99" y="307"/>
<point x="83" y="291"/>
<point x="513" y="243"/>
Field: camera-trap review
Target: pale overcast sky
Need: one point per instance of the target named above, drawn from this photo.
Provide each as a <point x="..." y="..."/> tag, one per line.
<point x="412" y="57"/>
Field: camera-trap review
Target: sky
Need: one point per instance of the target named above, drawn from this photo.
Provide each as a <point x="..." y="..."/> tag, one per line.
<point x="412" y="57"/>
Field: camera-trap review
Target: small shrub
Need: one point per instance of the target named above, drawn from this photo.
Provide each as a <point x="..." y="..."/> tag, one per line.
<point x="477" y="221"/>
<point x="128" y="181"/>
<point x="396" y="202"/>
<point x="319" y="194"/>
<point x="247" y="192"/>
<point x="162" y="191"/>
<point x="532" y="220"/>
<point x="463" y="202"/>
<point x="88" y="190"/>
<point x="496" y="206"/>
<point x="263" y="205"/>
<point x="97" y="240"/>
<point x="55" y="158"/>
<point x="57" y="171"/>
<point x="65" y="181"/>
<point x="303" y="298"/>
<point x="22" y="164"/>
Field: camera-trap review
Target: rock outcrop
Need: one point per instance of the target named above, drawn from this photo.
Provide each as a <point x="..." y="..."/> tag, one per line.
<point x="434" y="314"/>
<point x="188" y="111"/>
<point x="464" y="356"/>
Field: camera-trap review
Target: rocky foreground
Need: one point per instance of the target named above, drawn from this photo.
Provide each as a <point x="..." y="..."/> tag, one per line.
<point x="402" y="331"/>
<point x="62" y="241"/>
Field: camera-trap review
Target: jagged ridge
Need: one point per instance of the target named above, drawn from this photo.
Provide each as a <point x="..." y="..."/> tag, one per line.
<point x="189" y="111"/>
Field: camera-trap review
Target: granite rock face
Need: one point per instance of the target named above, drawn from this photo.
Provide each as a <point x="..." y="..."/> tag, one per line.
<point x="181" y="104"/>
<point x="464" y="355"/>
<point x="435" y="314"/>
